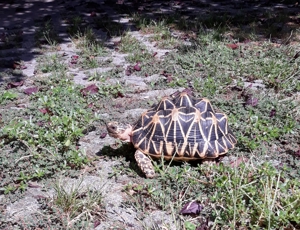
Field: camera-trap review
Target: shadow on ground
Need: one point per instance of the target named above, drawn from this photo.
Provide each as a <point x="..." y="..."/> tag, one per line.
<point x="22" y="20"/>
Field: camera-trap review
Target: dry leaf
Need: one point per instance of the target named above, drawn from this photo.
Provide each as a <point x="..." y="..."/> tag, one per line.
<point x="91" y="89"/>
<point x="31" y="90"/>
<point x="191" y="208"/>
<point x="273" y="113"/>
<point x="232" y="46"/>
<point x="103" y="135"/>
<point x="137" y="67"/>
<point x="11" y="85"/>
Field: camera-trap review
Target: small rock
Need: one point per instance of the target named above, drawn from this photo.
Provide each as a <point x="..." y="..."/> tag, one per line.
<point x="22" y="208"/>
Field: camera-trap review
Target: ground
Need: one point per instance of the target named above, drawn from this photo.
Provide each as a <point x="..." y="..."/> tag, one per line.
<point x="69" y="67"/>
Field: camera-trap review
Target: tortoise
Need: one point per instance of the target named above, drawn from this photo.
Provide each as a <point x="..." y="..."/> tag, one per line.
<point x="179" y="127"/>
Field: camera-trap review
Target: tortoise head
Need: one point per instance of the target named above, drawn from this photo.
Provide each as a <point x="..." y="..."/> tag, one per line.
<point x="119" y="130"/>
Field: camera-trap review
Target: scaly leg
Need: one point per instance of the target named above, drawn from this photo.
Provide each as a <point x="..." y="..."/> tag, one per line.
<point x="144" y="164"/>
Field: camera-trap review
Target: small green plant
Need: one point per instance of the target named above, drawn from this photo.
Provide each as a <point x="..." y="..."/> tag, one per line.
<point x="50" y="34"/>
<point x="261" y="126"/>
<point x="23" y="186"/>
<point x="116" y="72"/>
<point x="75" y="25"/>
<point x="90" y="49"/>
<point x="245" y="195"/>
<point x="208" y="86"/>
<point x="89" y="44"/>
<point x="129" y="44"/>
<point x="113" y="90"/>
<point x="189" y="226"/>
<point x="180" y="81"/>
<point x="51" y="63"/>
<point x="46" y="34"/>
<point x="168" y="43"/>
<point x="11" y="39"/>
<point x="139" y="56"/>
<point x="7" y="96"/>
<point x="157" y="27"/>
<point x="8" y="189"/>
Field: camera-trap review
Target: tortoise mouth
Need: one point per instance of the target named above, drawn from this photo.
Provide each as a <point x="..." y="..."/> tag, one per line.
<point x="120" y="131"/>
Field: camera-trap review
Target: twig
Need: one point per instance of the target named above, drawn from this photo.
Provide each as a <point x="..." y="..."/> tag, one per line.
<point x="76" y="218"/>
<point x="23" y="158"/>
<point x="41" y="147"/>
<point x="24" y="143"/>
<point x="287" y="40"/>
<point x="201" y="181"/>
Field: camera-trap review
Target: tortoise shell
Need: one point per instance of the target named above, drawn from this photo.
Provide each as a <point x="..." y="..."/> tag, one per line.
<point x="183" y="128"/>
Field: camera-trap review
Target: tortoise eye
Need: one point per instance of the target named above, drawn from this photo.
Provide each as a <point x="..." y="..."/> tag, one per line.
<point x="113" y="127"/>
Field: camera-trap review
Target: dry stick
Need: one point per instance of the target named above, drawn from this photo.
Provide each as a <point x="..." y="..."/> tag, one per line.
<point x="24" y="142"/>
<point x="288" y="39"/>
<point x="201" y="181"/>
<point x="291" y="75"/>
<point x="45" y="149"/>
<point x="76" y="218"/>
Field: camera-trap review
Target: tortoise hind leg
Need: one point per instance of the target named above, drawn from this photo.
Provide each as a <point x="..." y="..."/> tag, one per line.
<point x="144" y="164"/>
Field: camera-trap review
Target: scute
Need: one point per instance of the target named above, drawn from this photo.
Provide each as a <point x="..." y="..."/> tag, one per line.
<point x="165" y="103"/>
<point x="183" y="127"/>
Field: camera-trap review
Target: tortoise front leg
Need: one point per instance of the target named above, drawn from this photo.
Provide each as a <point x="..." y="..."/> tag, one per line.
<point x="144" y="164"/>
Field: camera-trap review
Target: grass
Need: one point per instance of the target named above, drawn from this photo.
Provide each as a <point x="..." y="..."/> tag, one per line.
<point x="90" y="49"/>
<point x="49" y="127"/>
<point x="129" y="44"/>
<point x="78" y="204"/>
<point x="254" y="80"/>
<point x="46" y="35"/>
<point x="51" y="63"/>
<point x="6" y="96"/>
<point x="252" y="195"/>
<point x="159" y="31"/>
<point x="111" y="27"/>
<point x="246" y="196"/>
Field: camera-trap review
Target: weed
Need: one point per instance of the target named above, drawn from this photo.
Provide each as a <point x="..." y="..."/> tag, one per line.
<point x="259" y="126"/>
<point x="156" y="27"/>
<point x="159" y="30"/>
<point x="51" y="63"/>
<point x="116" y="72"/>
<point x="129" y="44"/>
<point x="46" y="34"/>
<point x="208" y="86"/>
<point x="89" y="44"/>
<point x="75" y="25"/>
<point x="248" y="196"/>
<point x="53" y="125"/>
<point x="137" y="52"/>
<point x="167" y="42"/>
<point x="114" y="90"/>
<point x="180" y="81"/>
<point x="139" y="56"/>
<point x="78" y="204"/>
<point x="6" y="96"/>
<point x="90" y="49"/>
<point x="253" y="198"/>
